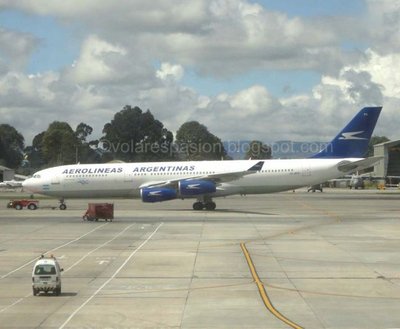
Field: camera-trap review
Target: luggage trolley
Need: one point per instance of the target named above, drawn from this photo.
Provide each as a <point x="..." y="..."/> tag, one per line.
<point x="98" y="211"/>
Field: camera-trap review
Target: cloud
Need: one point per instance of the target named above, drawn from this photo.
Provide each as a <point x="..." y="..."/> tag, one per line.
<point x="237" y="36"/>
<point x="252" y="113"/>
<point x="20" y="90"/>
<point x="170" y="72"/>
<point x="318" y="115"/>
<point x="216" y="37"/>
<point x="137" y="52"/>
<point x="16" y="48"/>
<point x="380" y="68"/>
<point x="96" y="62"/>
<point x="384" y="25"/>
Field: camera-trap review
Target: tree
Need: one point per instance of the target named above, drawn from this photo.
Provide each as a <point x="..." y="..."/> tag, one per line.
<point x="59" y="144"/>
<point x="134" y="135"/>
<point x="258" y="150"/>
<point x="34" y="153"/>
<point x="82" y="131"/>
<point x="11" y="146"/>
<point x="195" y="142"/>
<point x="86" y="151"/>
<point x="373" y="141"/>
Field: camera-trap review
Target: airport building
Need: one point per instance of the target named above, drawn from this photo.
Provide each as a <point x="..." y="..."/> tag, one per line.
<point x="390" y="165"/>
<point x="6" y="174"/>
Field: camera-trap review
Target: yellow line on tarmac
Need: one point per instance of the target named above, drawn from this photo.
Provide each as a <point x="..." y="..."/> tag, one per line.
<point x="263" y="293"/>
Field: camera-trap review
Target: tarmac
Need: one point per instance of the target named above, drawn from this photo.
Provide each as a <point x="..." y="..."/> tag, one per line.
<point x="287" y="260"/>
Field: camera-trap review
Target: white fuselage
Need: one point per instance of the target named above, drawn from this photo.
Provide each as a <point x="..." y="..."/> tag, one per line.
<point x="126" y="179"/>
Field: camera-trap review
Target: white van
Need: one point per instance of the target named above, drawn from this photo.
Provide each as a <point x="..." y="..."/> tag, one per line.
<point x="46" y="276"/>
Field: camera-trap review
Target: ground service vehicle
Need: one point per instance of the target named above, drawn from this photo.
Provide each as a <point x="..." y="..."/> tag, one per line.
<point x="356" y="182"/>
<point x="46" y="276"/>
<point x="98" y="211"/>
<point x="19" y="204"/>
<point x="316" y="187"/>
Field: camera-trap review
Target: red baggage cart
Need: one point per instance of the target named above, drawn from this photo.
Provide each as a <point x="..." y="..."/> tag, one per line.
<point x="98" y="211"/>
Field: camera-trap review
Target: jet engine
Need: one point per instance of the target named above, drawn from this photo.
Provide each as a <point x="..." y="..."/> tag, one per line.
<point x="157" y="194"/>
<point x="196" y="187"/>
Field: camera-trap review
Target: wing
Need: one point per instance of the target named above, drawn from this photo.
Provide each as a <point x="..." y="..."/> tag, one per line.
<point x="217" y="178"/>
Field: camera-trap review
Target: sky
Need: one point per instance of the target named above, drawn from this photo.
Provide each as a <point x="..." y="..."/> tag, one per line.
<point x="267" y="70"/>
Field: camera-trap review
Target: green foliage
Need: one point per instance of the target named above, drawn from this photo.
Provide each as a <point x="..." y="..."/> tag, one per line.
<point x="86" y="151"/>
<point x="59" y="144"/>
<point x="82" y="131"/>
<point x="375" y="140"/>
<point x="34" y="153"/>
<point x="134" y="135"/>
<point x="258" y="150"/>
<point x="195" y="142"/>
<point x="11" y="146"/>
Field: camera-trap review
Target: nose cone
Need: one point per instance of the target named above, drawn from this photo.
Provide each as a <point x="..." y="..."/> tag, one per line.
<point x="30" y="185"/>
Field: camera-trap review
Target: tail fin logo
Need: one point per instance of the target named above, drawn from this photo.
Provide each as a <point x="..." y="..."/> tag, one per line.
<point x="352" y="135"/>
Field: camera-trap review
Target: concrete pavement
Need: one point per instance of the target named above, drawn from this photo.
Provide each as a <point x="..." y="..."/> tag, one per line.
<point x="326" y="260"/>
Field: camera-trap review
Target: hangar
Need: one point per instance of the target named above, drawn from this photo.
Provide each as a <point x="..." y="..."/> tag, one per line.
<point x="390" y="165"/>
<point x="6" y="174"/>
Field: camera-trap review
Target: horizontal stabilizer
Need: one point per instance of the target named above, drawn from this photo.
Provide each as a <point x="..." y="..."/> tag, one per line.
<point x="347" y="166"/>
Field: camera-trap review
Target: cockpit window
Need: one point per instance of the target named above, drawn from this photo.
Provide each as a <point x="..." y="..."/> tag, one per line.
<point x="36" y="176"/>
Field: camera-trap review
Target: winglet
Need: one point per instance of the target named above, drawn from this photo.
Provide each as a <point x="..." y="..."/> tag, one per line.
<point x="353" y="140"/>
<point x="257" y="167"/>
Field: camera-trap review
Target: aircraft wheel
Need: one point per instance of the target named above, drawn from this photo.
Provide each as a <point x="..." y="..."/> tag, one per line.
<point x="198" y="206"/>
<point x="210" y="205"/>
<point x="63" y="206"/>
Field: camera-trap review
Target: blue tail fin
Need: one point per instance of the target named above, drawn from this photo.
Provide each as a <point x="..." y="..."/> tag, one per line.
<point x="353" y="140"/>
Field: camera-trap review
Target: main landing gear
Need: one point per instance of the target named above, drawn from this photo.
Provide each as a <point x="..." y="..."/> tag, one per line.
<point x="204" y="203"/>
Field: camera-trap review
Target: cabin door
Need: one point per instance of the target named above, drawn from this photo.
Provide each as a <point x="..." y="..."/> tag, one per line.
<point x="305" y="169"/>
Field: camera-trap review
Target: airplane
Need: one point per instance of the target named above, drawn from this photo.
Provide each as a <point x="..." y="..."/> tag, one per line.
<point x="205" y="180"/>
<point x="11" y="184"/>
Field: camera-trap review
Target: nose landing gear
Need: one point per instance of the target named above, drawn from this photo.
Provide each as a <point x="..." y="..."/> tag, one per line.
<point x="62" y="206"/>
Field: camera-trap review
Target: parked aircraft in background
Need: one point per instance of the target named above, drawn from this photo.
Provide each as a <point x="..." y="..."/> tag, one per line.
<point x="205" y="180"/>
<point x="11" y="184"/>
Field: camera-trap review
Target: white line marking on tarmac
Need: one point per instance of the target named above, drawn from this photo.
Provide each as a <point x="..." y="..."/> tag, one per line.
<point x="112" y="277"/>
<point x="11" y="305"/>
<point x="65" y="244"/>
<point x="76" y="263"/>
<point x="102" y="245"/>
